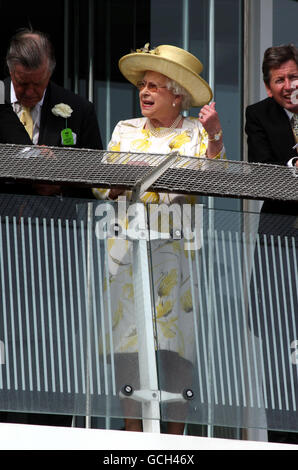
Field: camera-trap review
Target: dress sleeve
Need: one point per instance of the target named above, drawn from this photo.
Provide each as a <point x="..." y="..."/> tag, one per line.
<point x="115" y="141"/>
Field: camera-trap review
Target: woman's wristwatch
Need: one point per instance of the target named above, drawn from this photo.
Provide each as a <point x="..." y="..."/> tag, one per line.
<point x="216" y="136"/>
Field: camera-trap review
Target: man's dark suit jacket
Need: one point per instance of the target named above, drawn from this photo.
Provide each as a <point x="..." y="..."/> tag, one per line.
<point x="270" y="139"/>
<point x="11" y="129"/>
<point x="83" y="120"/>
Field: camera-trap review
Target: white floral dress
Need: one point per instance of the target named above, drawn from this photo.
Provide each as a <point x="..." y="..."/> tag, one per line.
<point x="170" y="261"/>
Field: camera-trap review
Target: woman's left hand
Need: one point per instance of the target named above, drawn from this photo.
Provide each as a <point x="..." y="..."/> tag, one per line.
<point x="208" y="117"/>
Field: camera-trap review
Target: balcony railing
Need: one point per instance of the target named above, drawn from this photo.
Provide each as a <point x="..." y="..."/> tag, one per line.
<point x="106" y="312"/>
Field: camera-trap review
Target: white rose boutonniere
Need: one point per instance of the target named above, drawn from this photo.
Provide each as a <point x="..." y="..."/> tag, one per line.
<point x="64" y="110"/>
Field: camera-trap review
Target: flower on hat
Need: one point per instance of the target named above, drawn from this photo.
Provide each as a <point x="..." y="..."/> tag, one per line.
<point x="63" y="110"/>
<point x="145" y="48"/>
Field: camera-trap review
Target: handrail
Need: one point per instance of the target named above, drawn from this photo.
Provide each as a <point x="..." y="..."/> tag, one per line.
<point x="187" y="175"/>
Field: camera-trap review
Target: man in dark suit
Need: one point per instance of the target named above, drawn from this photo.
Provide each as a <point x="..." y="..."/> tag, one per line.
<point x="11" y="129"/>
<point x="28" y="118"/>
<point x="29" y="89"/>
<point x="31" y="62"/>
<point x="272" y="137"/>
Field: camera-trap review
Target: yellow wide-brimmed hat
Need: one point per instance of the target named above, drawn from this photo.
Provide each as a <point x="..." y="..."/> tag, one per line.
<point x="171" y="61"/>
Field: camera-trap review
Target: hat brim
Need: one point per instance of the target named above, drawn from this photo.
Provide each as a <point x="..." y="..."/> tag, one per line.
<point x="134" y="65"/>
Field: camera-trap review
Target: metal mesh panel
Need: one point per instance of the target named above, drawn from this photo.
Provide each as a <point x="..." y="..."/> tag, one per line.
<point x="188" y="175"/>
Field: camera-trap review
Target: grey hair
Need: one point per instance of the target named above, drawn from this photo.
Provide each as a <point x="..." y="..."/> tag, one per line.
<point x="179" y="90"/>
<point x="30" y="49"/>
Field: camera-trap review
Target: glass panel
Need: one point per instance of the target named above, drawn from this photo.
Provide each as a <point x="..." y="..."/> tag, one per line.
<point x="67" y="312"/>
<point x="284" y="20"/>
<point x="226" y="321"/>
<point x="126" y="334"/>
<point x="38" y="321"/>
<point x="47" y="326"/>
<point x="76" y="331"/>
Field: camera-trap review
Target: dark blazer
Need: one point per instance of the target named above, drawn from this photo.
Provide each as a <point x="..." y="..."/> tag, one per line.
<point x="274" y="311"/>
<point x="270" y="139"/>
<point x="83" y="120"/>
<point x="83" y="123"/>
<point x="11" y="129"/>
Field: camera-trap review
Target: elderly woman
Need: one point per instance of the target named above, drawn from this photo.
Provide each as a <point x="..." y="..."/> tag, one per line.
<point x="168" y="79"/>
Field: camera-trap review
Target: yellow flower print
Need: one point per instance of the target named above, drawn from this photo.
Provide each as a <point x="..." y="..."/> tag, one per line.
<point x="168" y="328"/>
<point x="131" y="342"/>
<point x="203" y="141"/>
<point x="127" y="291"/>
<point x="114" y="157"/>
<point x="179" y="140"/>
<point x="141" y="144"/>
<point x="203" y="149"/>
<point x="150" y="197"/>
<point x="176" y="246"/>
<point x="115" y="147"/>
<point x="118" y="315"/>
<point x="204" y="134"/>
<point x="111" y="242"/>
<point x="163" y="309"/>
<point x="186" y="301"/>
<point x="181" y="345"/>
<point x="100" y="193"/>
<point x="146" y="133"/>
<point x="167" y="283"/>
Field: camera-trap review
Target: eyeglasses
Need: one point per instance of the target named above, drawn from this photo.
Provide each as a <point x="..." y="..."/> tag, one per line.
<point x="150" y="85"/>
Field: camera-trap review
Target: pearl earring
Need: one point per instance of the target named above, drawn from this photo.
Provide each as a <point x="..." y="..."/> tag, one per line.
<point x="174" y="104"/>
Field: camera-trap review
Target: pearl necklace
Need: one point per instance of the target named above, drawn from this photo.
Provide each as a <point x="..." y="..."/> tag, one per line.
<point x="162" y="132"/>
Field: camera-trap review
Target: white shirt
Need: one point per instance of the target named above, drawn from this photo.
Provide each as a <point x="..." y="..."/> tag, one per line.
<point x="35" y="112"/>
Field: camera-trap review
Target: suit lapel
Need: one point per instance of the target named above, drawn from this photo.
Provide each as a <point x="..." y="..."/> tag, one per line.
<point x="281" y="131"/>
<point x="50" y="127"/>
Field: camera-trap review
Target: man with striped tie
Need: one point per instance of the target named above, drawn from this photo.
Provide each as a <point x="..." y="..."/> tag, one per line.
<point x="270" y="122"/>
<point x="40" y="104"/>
<point x="30" y="117"/>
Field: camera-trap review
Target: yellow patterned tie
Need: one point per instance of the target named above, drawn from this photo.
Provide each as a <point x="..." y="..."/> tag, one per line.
<point x="295" y="126"/>
<point x="26" y="119"/>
